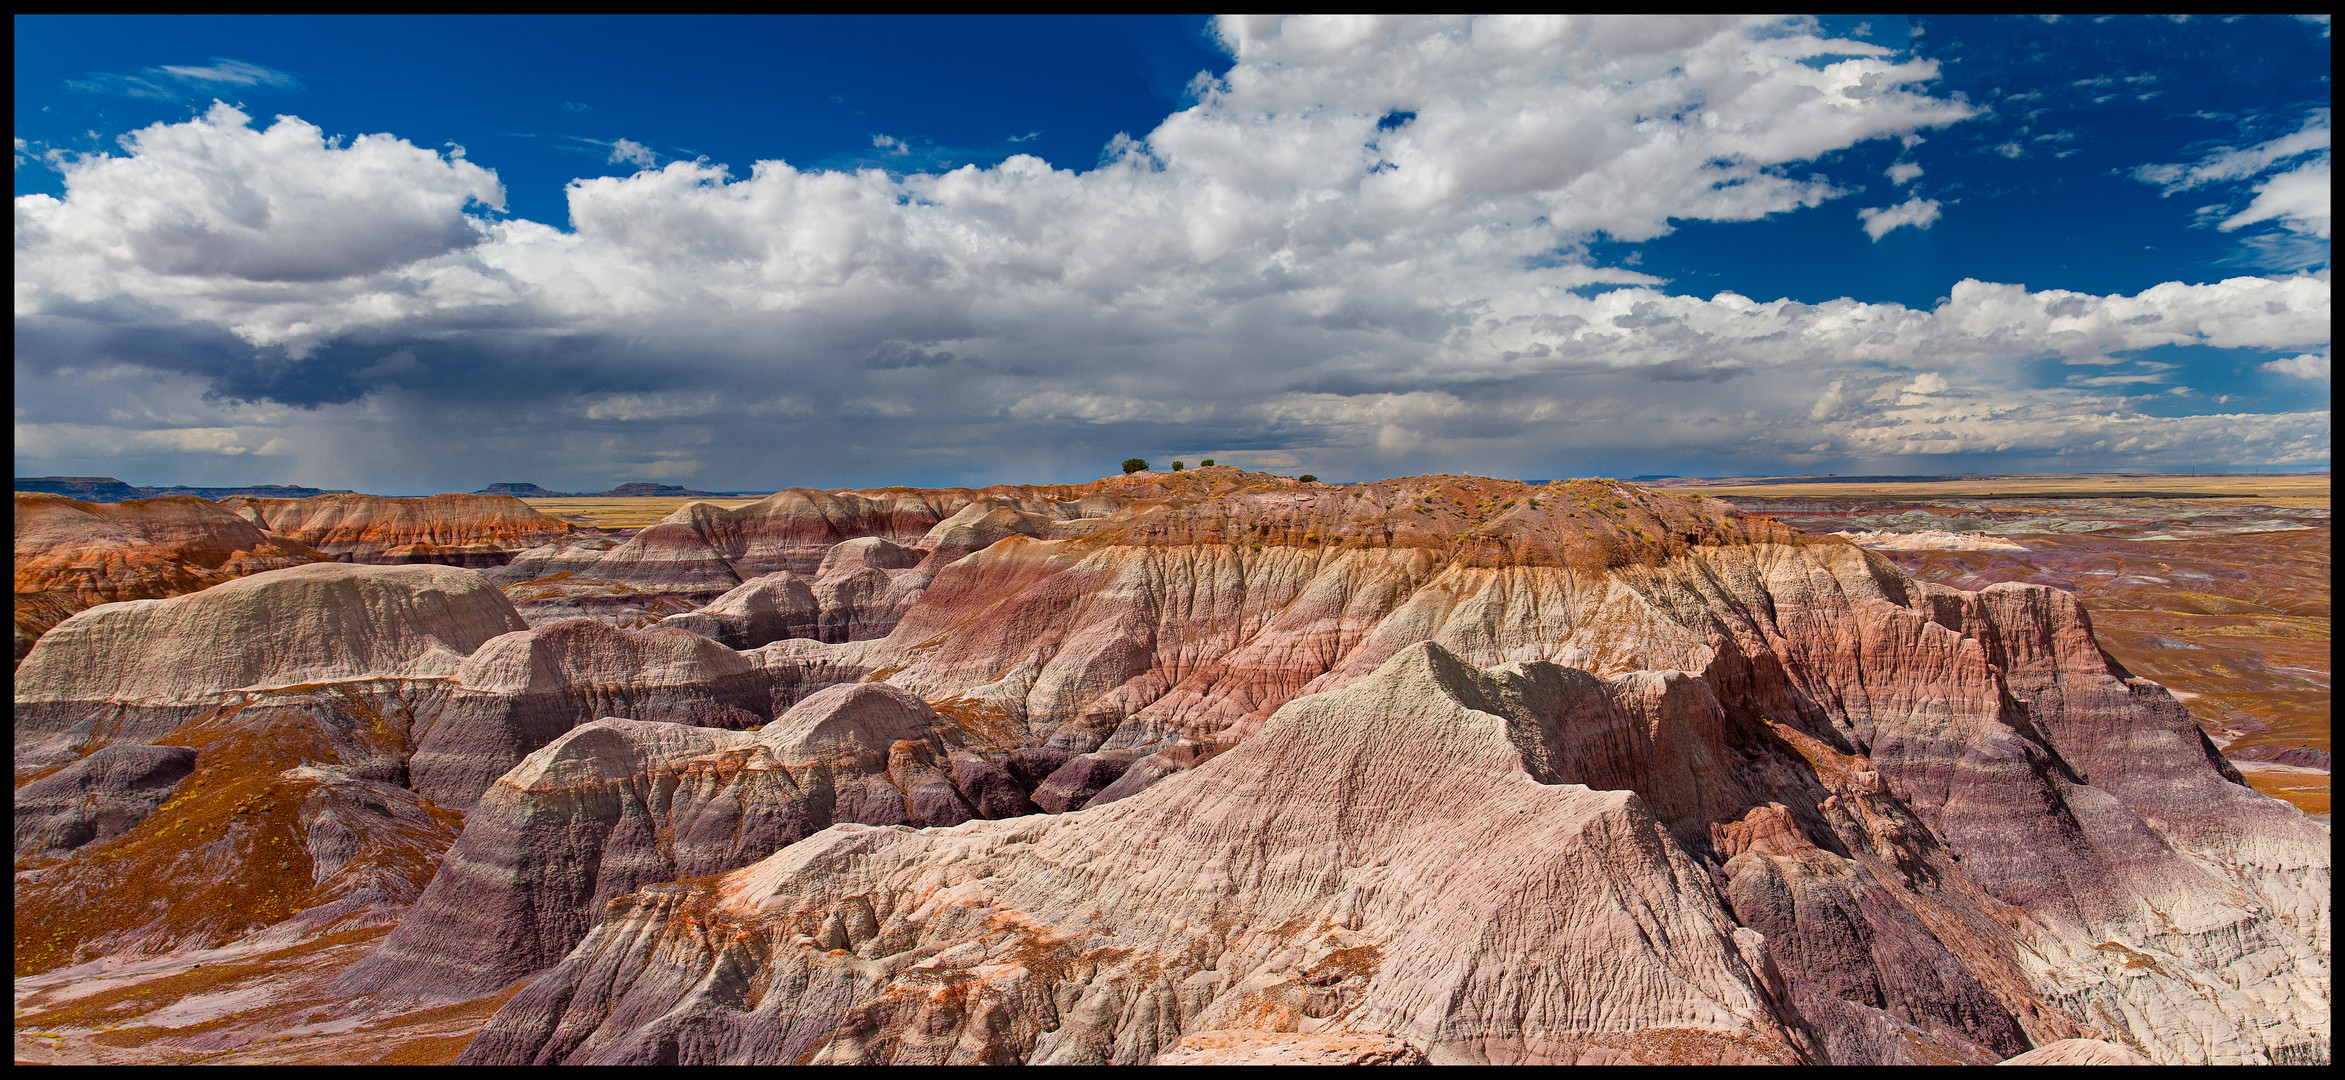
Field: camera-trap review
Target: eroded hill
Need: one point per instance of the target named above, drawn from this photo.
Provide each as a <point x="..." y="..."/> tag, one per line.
<point x="1196" y="766"/>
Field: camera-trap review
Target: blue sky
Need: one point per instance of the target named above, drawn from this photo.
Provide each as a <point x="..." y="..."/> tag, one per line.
<point x="426" y="254"/>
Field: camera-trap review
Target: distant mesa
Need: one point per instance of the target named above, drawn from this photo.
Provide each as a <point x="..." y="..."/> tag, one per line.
<point x="636" y="490"/>
<point x="86" y="488"/>
<point x="106" y="489"/>
<point x="526" y="491"/>
<point x="658" y="491"/>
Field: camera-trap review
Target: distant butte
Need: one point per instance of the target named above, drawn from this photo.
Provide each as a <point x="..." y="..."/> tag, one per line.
<point x="637" y="490"/>
<point x="106" y="489"/>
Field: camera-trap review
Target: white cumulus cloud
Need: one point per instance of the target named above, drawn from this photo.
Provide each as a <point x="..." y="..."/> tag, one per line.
<point x="1917" y="212"/>
<point x="2303" y="366"/>
<point x="1278" y="270"/>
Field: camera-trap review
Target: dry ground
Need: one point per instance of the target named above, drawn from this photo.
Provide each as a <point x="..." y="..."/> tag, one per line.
<point x="624" y="513"/>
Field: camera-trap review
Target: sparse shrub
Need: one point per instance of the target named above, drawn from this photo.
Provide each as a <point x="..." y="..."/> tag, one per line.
<point x="1177" y="466"/>
<point x="1308" y="478"/>
<point x="1133" y="465"/>
<point x="1208" y="463"/>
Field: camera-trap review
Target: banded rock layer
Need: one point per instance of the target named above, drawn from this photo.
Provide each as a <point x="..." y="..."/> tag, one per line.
<point x="268" y="820"/>
<point x="1935" y="825"/>
<point x="703" y="551"/>
<point x="452" y="529"/>
<point x="131" y="671"/>
<point x="1310" y="880"/>
<point x="73" y="555"/>
<point x="615" y="805"/>
<point x="1896" y="724"/>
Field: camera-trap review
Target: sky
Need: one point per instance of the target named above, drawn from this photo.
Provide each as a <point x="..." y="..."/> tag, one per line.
<point x="407" y="255"/>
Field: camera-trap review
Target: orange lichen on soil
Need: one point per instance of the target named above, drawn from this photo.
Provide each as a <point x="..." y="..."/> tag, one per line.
<point x="228" y="854"/>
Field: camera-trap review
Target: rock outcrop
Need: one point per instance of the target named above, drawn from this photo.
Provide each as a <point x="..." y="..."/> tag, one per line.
<point x="1897" y="723"/>
<point x="273" y="820"/>
<point x="860" y="592"/>
<point x="703" y="551"/>
<point x="519" y="691"/>
<point x="453" y="529"/>
<point x="97" y="798"/>
<point x="616" y="805"/>
<point x="72" y="555"/>
<point x="1311" y="880"/>
<point x="1444" y="766"/>
<point x="130" y="672"/>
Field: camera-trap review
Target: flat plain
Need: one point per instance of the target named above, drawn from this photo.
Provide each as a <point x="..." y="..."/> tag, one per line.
<point x="624" y="513"/>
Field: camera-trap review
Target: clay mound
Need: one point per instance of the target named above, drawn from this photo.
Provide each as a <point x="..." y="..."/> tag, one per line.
<point x="616" y="805"/>
<point x="1311" y="879"/>
<point x="522" y="690"/>
<point x="72" y="555"/>
<point x="292" y="824"/>
<point x="1591" y="525"/>
<point x="1895" y="723"/>
<point x="97" y="798"/>
<point x="765" y="609"/>
<point x="703" y="550"/>
<point x="132" y="671"/>
<point x="1940" y="826"/>
<point x="453" y="529"/>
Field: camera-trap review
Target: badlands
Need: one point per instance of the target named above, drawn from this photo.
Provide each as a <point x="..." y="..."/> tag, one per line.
<point x="1203" y="767"/>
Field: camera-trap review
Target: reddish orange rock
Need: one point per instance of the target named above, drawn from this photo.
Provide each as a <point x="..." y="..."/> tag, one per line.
<point x="71" y="555"/>
<point x="454" y="529"/>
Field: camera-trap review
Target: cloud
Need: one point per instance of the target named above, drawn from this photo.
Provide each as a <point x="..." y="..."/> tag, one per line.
<point x="174" y="82"/>
<point x="630" y="151"/>
<point x="2229" y="164"/>
<point x="1268" y="272"/>
<point x="1904" y="172"/>
<point x="2305" y="366"/>
<point x="1918" y="212"/>
<point x="195" y="215"/>
<point x="2298" y="199"/>
<point x="654" y="406"/>
<point x="225" y="72"/>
